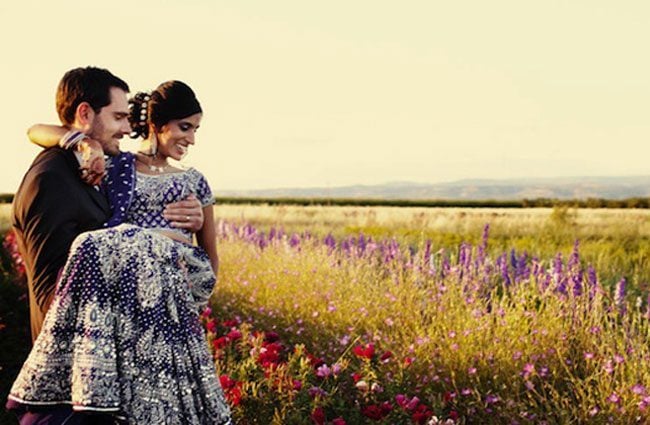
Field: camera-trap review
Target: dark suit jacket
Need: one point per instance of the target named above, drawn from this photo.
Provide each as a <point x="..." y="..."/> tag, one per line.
<point x="51" y="207"/>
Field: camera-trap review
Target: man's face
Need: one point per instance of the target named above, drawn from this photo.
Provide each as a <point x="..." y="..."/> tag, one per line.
<point x="111" y="123"/>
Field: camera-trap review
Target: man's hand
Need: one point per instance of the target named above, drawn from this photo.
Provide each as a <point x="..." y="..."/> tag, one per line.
<point x="93" y="165"/>
<point x="185" y="214"/>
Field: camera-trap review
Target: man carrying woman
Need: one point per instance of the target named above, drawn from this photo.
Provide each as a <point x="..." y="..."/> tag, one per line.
<point x="122" y="338"/>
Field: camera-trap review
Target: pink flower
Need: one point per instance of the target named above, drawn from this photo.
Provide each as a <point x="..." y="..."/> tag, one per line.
<point x="609" y="367"/>
<point x="413" y="403"/>
<point x="406" y="403"/>
<point x="323" y="371"/>
<point x="491" y="399"/>
<point x="339" y="421"/>
<point x="317" y="392"/>
<point x="638" y="389"/>
<point x="401" y="400"/>
<point x="529" y="369"/>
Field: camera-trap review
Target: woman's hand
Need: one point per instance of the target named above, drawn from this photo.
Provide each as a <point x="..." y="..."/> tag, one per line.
<point x="93" y="165"/>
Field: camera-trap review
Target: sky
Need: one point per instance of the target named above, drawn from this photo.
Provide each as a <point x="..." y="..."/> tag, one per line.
<point x="305" y="93"/>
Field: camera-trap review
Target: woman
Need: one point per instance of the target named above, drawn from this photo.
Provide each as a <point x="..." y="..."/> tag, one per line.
<point x="122" y="334"/>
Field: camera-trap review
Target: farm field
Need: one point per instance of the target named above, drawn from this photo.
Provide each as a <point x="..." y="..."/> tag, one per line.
<point x="349" y="315"/>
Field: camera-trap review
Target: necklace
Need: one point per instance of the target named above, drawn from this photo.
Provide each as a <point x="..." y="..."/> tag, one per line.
<point x="151" y="166"/>
<point x="157" y="169"/>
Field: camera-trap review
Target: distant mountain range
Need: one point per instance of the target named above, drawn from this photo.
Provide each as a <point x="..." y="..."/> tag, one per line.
<point x="475" y="189"/>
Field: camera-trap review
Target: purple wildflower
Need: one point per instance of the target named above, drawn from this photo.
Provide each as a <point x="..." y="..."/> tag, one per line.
<point x="619" y="296"/>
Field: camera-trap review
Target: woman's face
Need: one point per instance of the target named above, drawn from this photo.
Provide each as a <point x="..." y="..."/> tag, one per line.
<point x="175" y="137"/>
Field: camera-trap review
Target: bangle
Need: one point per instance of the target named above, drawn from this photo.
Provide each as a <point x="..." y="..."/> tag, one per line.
<point x="71" y="139"/>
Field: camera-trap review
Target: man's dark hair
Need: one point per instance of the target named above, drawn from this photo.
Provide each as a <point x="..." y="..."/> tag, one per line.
<point x="89" y="84"/>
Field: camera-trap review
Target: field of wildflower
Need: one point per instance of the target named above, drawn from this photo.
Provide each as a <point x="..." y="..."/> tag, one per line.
<point x="362" y="315"/>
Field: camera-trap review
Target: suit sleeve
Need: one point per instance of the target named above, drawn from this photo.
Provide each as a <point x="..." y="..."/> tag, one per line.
<point x="49" y="227"/>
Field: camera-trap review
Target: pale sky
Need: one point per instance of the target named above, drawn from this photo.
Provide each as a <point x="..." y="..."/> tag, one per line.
<point x="300" y="93"/>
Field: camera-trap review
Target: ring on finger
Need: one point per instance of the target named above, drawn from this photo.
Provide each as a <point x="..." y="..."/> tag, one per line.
<point x="187" y="218"/>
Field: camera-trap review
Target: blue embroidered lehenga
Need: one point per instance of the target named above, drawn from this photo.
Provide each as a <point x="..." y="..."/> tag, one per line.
<point x="123" y="334"/>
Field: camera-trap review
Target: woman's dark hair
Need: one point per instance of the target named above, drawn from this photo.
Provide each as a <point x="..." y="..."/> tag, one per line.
<point x="171" y="100"/>
<point x="89" y="84"/>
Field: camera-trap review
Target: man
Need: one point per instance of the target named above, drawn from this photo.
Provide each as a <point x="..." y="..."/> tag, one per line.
<point x="53" y="205"/>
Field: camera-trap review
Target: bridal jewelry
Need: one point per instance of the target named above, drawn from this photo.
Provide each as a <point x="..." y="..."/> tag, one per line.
<point x="154" y="168"/>
<point x="157" y="169"/>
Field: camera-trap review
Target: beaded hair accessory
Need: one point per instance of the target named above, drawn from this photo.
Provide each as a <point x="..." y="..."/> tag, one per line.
<point x="139" y="114"/>
<point x="144" y="104"/>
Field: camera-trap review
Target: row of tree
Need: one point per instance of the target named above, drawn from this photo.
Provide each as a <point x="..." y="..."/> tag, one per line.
<point x="523" y="203"/>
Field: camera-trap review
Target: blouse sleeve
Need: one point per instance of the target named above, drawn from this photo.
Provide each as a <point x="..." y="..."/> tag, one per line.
<point x="203" y="191"/>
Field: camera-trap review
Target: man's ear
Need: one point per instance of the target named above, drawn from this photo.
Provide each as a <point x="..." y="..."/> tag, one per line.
<point x="85" y="114"/>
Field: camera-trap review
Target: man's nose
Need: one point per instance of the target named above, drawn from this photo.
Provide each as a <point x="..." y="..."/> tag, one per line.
<point x="126" y="128"/>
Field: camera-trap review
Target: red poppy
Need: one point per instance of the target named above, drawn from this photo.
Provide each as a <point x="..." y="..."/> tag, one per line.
<point x="373" y="411"/>
<point x="234" y="335"/>
<point x="271" y="336"/>
<point x="230" y="323"/>
<point x="211" y="326"/>
<point x="270" y="354"/>
<point x="421" y="414"/>
<point x="220" y="342"/>
<point x="318" y="416"/>
<point x="366" y="352"/>
<point x="315" y="361"/>
<point x="231" y="389"/>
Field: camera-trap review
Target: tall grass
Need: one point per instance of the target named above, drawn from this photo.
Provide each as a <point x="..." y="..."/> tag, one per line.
<point x="616" y="242"/>
<point x="504" y="338"/>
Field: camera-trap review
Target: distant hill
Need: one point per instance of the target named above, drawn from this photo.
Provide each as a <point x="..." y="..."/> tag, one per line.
<point x="473" y="189"/>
